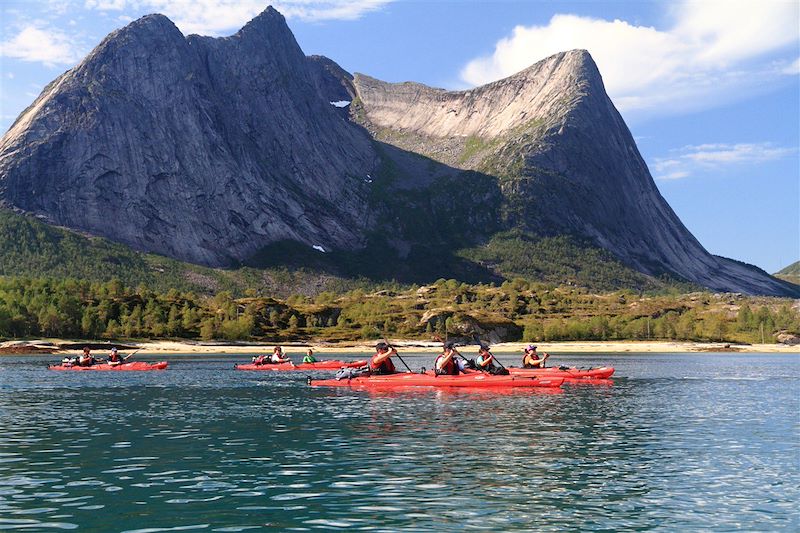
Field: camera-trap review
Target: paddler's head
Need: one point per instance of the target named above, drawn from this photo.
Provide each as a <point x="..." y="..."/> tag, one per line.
<point x="277" y="350"/>
<point x="86" y="350"/>
<point x="382" y="347"/>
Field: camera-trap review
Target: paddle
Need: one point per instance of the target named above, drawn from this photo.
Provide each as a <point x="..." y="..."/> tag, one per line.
<point x="397" y="354"/>
<point x="131" y="354"/>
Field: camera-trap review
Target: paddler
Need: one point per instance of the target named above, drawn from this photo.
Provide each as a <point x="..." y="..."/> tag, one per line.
<point x="277" y="356"/>
<point x="86" y="359"/>
<point x="309" y="356"/>
<point x="381" y="363"/>
<point x="259" y="359"/>
<point x="114" y="358"/>
<point x="445" y="364"/>
<point x="531" y="359"/>
<point x="487" y="363"/>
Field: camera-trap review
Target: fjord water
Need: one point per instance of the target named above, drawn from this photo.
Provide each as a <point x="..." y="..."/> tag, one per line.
<point x="678" y="442"/>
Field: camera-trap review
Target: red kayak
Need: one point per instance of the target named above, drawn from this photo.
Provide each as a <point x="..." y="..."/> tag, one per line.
<point x="570" y="374"/>
<point x="472" y="380"/>
<point x="136" y="366"/>
<point x="319" y="365"/>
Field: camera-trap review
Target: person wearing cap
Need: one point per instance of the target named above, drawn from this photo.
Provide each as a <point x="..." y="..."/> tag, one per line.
<point x="487" y="363"/>
<point x="309" y="356"/>
<point x="531" y="359"/>
<point x="277" y="356"/>
<point x="114" y="358"/>
<point x="86" y="359"/>
<point x="381" y="363"/>
<point x="445" y="364"/>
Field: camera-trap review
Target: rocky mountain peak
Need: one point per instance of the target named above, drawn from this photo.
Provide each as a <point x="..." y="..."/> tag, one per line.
<point x="212" y="149"/>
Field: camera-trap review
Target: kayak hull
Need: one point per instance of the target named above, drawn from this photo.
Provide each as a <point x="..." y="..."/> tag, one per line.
<point x="477" y="380"/>
<point x="137" y="366"/>
<point x="288" y="367"/>
<point x="570" y="374"/>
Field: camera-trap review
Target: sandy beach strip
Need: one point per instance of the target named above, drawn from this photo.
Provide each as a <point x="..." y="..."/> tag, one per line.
<point x="411" y="346"/>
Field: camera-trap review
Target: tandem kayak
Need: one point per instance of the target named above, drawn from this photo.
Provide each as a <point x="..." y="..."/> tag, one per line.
<point x="476" y="380"/>
<point x="570" y="374"/>
<point x="136" y="366"/>
<point x="319" y="365"/>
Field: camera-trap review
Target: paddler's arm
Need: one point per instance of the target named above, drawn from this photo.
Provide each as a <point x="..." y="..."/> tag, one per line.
<point x="380" y="358"/>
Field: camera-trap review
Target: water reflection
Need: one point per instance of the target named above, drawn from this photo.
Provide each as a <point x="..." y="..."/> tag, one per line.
<point x="203" y="447"/>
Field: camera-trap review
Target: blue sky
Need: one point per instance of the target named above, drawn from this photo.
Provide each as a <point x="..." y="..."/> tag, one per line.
<point x="710" y="90"/>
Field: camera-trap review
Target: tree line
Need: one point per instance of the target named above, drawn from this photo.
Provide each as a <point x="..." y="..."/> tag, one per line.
<point x="516" y="310"/>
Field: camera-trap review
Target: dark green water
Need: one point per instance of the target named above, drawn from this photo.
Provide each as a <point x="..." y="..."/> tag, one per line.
<point x="689" y="442"/>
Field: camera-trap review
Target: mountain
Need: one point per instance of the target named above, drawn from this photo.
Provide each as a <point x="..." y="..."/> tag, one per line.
<point x="242" y="150"/>
<point x="196" y="148"/>
<point x="790" y="273"/>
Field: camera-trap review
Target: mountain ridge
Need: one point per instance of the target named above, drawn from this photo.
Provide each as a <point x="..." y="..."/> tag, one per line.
<point x="212" y="150"/>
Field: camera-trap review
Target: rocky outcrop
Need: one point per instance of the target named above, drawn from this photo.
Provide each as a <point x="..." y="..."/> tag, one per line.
<point x="197" y="148"/>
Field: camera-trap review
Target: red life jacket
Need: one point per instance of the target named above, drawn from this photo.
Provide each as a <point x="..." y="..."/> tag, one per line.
<point x="448" y="368"/>
<point x="386" y="367"/>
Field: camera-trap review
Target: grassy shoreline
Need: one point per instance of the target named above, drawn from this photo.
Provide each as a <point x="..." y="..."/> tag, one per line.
<point x="322" y="349"/>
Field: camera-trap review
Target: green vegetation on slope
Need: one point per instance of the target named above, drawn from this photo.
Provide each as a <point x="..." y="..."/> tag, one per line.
<point x="791" y="273"/>
<point x="516" y="310"/>
<point x="791" y="270"/>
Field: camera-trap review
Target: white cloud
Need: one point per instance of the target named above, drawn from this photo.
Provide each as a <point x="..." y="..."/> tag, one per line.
<point x="43" y="45"/>
<point x="689" y="159"/>
<point x="221" y="17"/>
<point x="794" y="68"/>
<point x="713" y="52"/>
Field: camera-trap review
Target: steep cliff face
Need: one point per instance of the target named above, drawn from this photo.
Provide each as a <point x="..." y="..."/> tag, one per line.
<point x="212" y="149"/>
<point x="565" y="161"/>
<point x="197" y="148"/>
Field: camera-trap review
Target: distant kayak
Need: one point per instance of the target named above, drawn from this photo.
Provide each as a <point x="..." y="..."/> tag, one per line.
<point x="569" y="374"/>
<point x="472" y="380"/>
<point x="319" y="365"/>
<point x="135" y="366"/>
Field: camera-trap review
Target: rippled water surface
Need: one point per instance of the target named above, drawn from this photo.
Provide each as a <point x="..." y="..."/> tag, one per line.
<point x="678" y="442"/>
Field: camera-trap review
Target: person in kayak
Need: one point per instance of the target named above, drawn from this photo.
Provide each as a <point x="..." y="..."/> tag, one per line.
<point x="277" y="356"/>
<point x="86" y="359"/>
<point x="309" y="356"/>
<point x="259" y="360"/>
<point x="445" y="364"/>
<point x="487" y="363"/>
<point x="381" y="363"/>
<point x="114" y="358"/>
<point x="531" y="359"/>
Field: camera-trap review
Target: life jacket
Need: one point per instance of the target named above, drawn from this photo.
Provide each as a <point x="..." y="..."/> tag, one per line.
<point x="114" y="358"/>
<point x="386" y="367"/>
<point x="485" y="361"/>
<point x="275" y="358"/>
<point x="259" y="360"/>
<point x="527" y="361"/>
<point x="449" y="368"/>
<point x="85" y="360"/>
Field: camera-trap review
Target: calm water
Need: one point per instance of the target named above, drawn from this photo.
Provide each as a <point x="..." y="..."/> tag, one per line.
<point x="679" y="442"/>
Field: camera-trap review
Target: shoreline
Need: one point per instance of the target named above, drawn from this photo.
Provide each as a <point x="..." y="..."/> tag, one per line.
<point x="54" y="346"/>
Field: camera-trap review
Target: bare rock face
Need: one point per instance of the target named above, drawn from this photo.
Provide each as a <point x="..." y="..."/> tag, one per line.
<point x="565" y="160"/>
<point x="197" y="148"/>
<point x="209" y="149"/>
